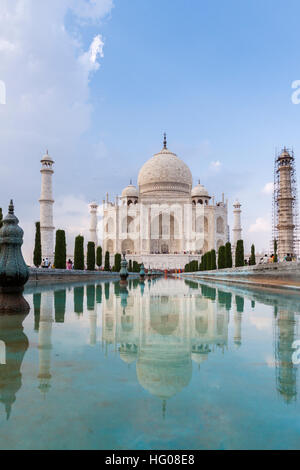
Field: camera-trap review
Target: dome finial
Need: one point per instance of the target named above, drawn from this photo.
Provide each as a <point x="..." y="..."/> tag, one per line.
<point x="131" y="181"/>
<point x="165" y="140"/>
<point x="11" y="208"/>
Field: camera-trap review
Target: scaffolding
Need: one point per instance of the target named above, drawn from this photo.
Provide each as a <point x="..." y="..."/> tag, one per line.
<point x="294" y="200"/>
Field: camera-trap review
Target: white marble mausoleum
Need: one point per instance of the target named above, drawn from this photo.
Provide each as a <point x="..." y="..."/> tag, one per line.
<point x="164" y="222"/>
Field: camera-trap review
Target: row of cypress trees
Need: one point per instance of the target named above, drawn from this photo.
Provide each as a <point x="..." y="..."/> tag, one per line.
<point x="225" y="256"/>
<point x="134" y="267"/>
<point x="191" y="267"/>
<point x="94" y="256"/>
<point x="209" y="262"/>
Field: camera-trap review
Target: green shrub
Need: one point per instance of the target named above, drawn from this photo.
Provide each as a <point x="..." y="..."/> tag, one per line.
<point x="213" y="259"/>
<point x="37" y="254"/>
<point x="91" y="257"/>
<point x="60" y="250"/>
<point x="107" y="262"/>
<point x="252" y="260"/>
<point x="239" y="254"/>
<point x="99" y="256"/>
<point x="117" y="265"/>
<point x="79" y="253"/>
<point x="221" y="258"/>
<point x="228" y="255"/>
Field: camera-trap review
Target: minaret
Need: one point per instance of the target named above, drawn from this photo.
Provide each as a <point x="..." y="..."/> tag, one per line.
<point x="46" y="208"/>
<point x="94" y="223"/>
<point x="237" y="228"/>
<point x="285" y="200"/>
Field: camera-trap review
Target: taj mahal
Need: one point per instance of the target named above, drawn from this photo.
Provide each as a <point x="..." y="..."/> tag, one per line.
<point x="164" y="222"/>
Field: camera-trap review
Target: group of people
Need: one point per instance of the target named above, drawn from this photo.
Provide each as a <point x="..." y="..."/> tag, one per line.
<point x="46" y="264"/>
<point x="271" y="259"/>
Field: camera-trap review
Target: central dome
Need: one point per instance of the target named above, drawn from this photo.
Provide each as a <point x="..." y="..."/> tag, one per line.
<point x="163" y="173"/>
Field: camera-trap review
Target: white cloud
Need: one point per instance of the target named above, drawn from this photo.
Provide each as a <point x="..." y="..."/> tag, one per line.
<point x="261" y="323"/>
<point x="260" y="226"/>
<point x="91" y="9"/>
<point x="90" y="58"/>
<point x="216" y="165"/>
<point x="268" y="188"/>
<point x="47" y="102"/>
<point x="6" y="46"/>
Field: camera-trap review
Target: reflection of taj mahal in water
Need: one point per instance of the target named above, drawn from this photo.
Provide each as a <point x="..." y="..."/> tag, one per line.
<point x="163" y="333"/>
<point x="160" y="327"/>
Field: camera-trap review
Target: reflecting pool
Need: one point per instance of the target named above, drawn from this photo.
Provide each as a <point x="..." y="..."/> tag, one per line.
<point x="169" y="364"/>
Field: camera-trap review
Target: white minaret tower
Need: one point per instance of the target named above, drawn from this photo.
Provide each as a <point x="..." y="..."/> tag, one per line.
<point x="94" y="223"/>
<point x="46" y="208"/>
<point x="237" y="228"/>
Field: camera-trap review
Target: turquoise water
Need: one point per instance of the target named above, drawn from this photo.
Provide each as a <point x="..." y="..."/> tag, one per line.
<point x="171" y="364"/>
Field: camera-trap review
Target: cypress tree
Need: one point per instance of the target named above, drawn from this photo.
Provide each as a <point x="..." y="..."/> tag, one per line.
<point x="205" y="262"/>
<point x="136" y="267"/>
<point x="275" y="252"/>
<point x="130" y="266"/>
<point x="37" y="254"/>
<point x="213" y="260"/>
<point x="208" y="261"/>
<point x="90" y="258"/>
<point x="239" y="254"/>
<point x="107" y="263"/>
<point x="221" y="258"/>
<point x="99" y="256"/>
<point x="1" y="217"/>
<point x="79" y="253"/>
<point x="228" y="255"/>
<point x="252" y="260"/>
<point x="60" y="250"/>
<point x="117" y="265"/>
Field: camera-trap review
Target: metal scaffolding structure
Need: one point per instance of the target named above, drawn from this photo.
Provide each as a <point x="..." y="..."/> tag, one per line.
<point x="285" y="201"/>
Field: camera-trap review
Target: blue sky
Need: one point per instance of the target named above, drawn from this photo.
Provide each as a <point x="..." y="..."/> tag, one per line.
<point x="216" y="76"/>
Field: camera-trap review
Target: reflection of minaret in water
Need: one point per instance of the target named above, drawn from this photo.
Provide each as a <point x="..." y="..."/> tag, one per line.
<point x="239" y="302"/>
<point x="285" y="369"/>
<point x="92" y="309"/>
<point x="45" y="346"/>
<point x="16" y="345"/>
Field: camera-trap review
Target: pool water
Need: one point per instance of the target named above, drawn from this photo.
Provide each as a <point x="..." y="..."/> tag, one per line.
<point x="169" y="364"/>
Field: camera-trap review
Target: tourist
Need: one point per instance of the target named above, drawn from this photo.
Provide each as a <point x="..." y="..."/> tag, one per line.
<point x="69" y="265"/>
